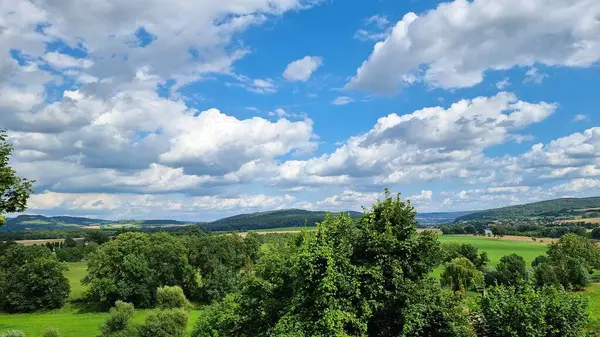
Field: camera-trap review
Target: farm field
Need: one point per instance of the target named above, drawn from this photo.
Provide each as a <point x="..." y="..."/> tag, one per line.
<point x="72" y="323"/>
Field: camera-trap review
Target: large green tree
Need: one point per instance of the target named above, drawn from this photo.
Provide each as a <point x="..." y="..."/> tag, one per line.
<point x="14" y="190"/>
<point x="131" y="267"/>
<point x="348" y="279"/>
<point x="31" y="279"/>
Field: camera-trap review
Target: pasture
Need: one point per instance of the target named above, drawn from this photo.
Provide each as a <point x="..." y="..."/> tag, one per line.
<point x="73" y="323"/>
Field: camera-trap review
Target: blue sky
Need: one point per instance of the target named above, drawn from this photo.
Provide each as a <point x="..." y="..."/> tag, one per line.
<point x="199" y="110"/>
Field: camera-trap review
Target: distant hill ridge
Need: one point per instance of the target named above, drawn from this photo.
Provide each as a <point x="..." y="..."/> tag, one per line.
<point x="258" y="220"/>
<point x="547" y="208"/>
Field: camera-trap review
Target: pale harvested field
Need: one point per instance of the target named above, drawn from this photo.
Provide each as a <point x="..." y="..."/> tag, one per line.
<point x="541" y="241"/>
<point x="42" y="241"/>
<point x="589" y="220"/>
<point x="91" y="227"/>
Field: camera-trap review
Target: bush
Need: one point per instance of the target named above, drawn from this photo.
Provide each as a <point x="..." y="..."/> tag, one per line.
<point x="461" y="274"/>
<point x="218" y="319"/>
<point x="51" y="332"/>
<point x="551" y="312"/>
<point x="165" y="323"/>
<point x="119" y="319"/>
<point x="13" y="333"/>
<point x="511" y="270"/>
<point x="170" y="298"/>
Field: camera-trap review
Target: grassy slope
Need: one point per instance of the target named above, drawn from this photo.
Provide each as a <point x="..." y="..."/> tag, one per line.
<point x="555" y="207"/>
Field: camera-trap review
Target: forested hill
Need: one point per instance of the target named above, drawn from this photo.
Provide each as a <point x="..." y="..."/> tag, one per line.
<point x="40" y="222"/>
<point x="242" y="222"/>
<point x="271" y="219"/>
<point x="548" y="208"/>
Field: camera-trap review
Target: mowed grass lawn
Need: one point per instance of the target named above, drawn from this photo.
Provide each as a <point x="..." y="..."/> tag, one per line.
<point x="68" y="320"/>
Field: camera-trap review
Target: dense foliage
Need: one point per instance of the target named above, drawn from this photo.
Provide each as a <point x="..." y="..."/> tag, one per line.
<point x="569" y="262"/>
<point x="131" y="267"/>
<point x="365" y="279"/>
<point x="168" y="321"/>
<point x="525" y="312"/>
<point x="510" y="271"/>
<point x="453" y="250"/>
<point x="14" y="190"/>
<point x="461" y="274"/>
<point x="31" y="279"/>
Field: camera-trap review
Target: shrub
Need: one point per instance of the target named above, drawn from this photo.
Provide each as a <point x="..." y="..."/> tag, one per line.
<point x="511" y="271"/>
<point x="551" y="312"/>
<point x="13" y="333"/>
<point x="118" y="320"/>
<point x="165" y="323"/>
<point x="170" y="298"/>
<point x="51" y="332"/>
<point x="461" y="274"/>
<point x="217" y="319"/>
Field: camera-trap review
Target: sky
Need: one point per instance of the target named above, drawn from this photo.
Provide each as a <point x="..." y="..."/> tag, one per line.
<point x="197" y="110"/>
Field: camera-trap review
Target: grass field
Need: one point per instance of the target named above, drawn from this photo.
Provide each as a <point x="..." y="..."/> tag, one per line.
<point x="68" y="320"/>
<point x="71" y="323"/>
<point x="496" y="248"/>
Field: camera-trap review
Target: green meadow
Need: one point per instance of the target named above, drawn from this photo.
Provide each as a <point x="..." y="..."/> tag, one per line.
<point x="73" y="323"/>
<point x="69" y="320"/>
<point x="497" y="248"/>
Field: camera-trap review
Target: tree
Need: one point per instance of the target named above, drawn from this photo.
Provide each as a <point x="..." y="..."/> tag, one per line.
<point x="510" y="271"/>
<point x="96" y="235"/>
<point x="570" y="262"/>
<point x="349" y="279"/>
<point x="571" y="245"/>
<point x="31" y="279"/>
<point x="14" y="190"/>
<point x="454" y="250"/>
<point x="525" y="312"/>
<point x="133" y="265"/>
<point x="595" y="233"/>
<point x="498" y="230"/>
<point x="219" y="259"/>
<point x="461" y="274"/>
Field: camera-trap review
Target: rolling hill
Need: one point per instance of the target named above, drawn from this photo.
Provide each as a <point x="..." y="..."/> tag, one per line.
<point x="260" y="220"/>
<point x="548" y="208"/>
<point x="270" y="219"/>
